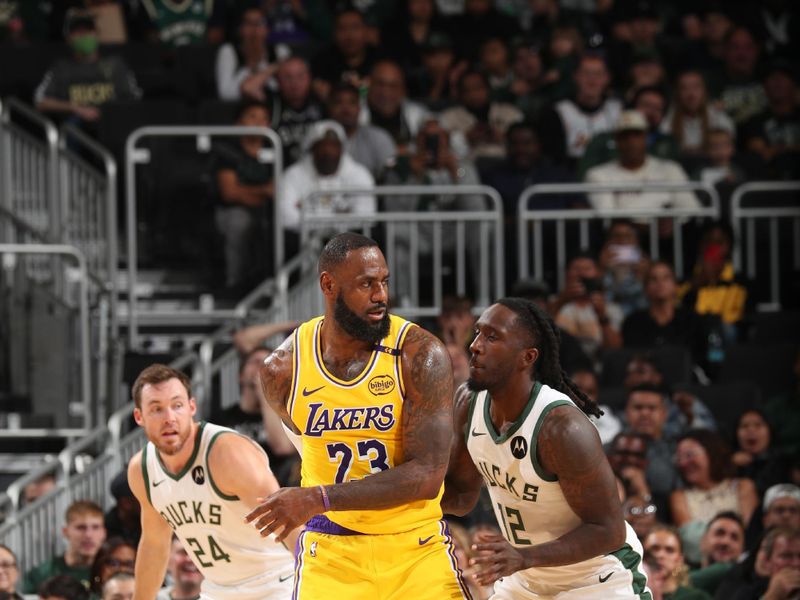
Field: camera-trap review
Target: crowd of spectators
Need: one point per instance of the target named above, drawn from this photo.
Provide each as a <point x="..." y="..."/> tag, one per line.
<point x="521" y="92"/>
<point x="508" y="93"/>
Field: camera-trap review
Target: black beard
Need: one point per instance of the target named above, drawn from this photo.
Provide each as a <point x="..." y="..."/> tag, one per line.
<point x="358" y="328"/>
<point x="475" y="386"/>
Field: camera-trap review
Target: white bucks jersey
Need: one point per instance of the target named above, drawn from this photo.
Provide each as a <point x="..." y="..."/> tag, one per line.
<point x="528" y="502"/>
<point x="210" y="524"/>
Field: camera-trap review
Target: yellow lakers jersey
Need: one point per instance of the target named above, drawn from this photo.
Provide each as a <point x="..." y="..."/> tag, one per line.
<point x="352" y="429"/>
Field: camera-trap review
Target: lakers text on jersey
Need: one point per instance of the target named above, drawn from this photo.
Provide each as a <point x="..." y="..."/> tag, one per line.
<point x="351" y="430"/>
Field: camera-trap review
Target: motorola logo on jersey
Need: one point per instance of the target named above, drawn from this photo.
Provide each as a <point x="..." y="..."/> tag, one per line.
<point x="381" y="385"/>
<point x="198" y="475"/>
<point x="519" y="447"/>
<point x="322" y="419"/>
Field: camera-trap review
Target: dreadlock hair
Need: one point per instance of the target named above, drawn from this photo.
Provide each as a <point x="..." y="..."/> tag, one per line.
<point x="538" y="324"/>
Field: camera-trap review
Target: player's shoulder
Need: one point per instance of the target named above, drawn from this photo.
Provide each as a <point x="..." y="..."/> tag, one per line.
<point x="279" y="362"/>
<point x="231" y="455"/>
<point x="136" y="474"/>
<point x="566" y="425"/>
<point x="136" y="461"/>
<point x="463" y="400"/>
<point x="420" y="339"/>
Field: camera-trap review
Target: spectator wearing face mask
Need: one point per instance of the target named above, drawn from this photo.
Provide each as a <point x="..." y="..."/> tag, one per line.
<point x="76" y="87"/>
<point x="714" y="287"/>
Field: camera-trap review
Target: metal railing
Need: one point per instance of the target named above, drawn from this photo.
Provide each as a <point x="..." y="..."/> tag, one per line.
<point x="89" y="204"/>
<point x="530" y="218"/>
<point x="29" y="175"/>
<point x="744" y="218"/>
<point x="82" y="279"/>
<point x="442" y="231"/>
<point x="295" y="303"/>
<point x="135" y="155"/>
<point x="82" y="470"/>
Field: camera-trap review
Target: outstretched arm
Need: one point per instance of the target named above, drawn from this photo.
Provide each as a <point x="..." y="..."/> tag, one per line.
<point x="154" y="545"/>
<point x="427" y="432"/>
<point x="240" y="468"/>
<point x="462" y="485"/>
<point x="568" y="447"/>
<point x="247" y="339"/>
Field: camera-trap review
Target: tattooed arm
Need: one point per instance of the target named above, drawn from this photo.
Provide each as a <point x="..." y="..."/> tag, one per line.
<point x="463" y="482"/>
<point x="276" y="381"/>
<point x="568" y="447"/>
<point x="427" y="433"/>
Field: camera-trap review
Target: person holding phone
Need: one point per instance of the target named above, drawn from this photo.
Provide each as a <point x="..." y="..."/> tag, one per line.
<point x="624" y="266"/>
<point x="582" y="309"/>
<point x="432" y="160"/>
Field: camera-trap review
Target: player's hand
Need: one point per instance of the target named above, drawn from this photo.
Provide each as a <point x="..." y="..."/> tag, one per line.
<point x="495" y="558"/>
<point x="285" y="510"/>
<point x="87" y="113"/>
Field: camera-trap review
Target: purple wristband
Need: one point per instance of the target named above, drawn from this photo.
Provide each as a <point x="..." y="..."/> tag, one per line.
<point x="326" y="502"/>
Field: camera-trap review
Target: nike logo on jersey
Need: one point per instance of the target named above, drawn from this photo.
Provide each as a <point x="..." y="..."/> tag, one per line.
<point x="606" y="578"/>
<point x="282" y="579"/>
<point x="307" y="392"/>
<point x="158" y="483"/>
<point x="477" y="433"/>
<point x="425" y="541"/>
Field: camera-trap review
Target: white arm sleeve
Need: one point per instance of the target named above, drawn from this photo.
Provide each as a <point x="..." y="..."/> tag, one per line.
<point x="229" y="75"/>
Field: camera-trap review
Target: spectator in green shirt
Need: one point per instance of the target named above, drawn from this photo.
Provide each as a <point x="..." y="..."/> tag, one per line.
<point x="85" y="533"/>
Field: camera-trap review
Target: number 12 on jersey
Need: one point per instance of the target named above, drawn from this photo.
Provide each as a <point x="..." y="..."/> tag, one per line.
<point x="512" y="523"/>
<point x="373" y="451"/>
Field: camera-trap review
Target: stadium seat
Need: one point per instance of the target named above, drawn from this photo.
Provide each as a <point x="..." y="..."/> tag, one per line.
<point x="216" y="112"/>
<point x="674" y="362"/>
<point x="22" y="68"/>
<point x="613" y="397"/>
<point x="727" y="401"/>
<point x="775" y="327"/>
<point x="769" y="365"/>
<point x="150" y="63"/>
<point x="194" y="72"/>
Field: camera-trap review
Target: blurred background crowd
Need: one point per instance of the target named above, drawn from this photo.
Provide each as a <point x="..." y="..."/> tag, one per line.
<point x="701" y="393"/>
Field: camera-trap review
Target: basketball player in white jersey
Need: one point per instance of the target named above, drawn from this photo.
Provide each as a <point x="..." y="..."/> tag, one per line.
<point x="522" y="428"/>
<point x="199" y="481"/>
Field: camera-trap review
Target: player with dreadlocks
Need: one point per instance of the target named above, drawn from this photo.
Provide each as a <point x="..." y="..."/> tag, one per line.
<point x="521" y="427"/>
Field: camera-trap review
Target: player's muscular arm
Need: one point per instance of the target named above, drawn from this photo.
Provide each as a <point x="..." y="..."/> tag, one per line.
<point x="276" y="380"/>
<point x="427" y="431"/>
<point x="569" y="447"/>
<point x="155" y="541"/>
<point x="462" y="485"/>
<point x="241" y="469"/>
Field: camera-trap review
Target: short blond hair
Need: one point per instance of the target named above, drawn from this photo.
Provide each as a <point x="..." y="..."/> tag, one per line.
<point x="81" y="508"/>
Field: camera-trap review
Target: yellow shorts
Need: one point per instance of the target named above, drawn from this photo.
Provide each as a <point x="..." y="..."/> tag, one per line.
<point x="332" y="562"/>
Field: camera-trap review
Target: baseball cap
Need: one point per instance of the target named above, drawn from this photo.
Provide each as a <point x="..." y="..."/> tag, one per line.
<point x="781" y="490"/>
<point x="436" y="42"/>
<point x="319" y="130"/>
<point x="631" y="120"/>
<point x="79" y="19"/>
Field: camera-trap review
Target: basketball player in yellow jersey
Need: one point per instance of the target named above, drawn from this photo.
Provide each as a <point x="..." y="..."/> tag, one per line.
<point x="371" y="397"/>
